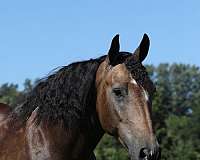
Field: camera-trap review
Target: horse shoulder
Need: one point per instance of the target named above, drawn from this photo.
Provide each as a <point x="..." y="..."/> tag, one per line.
<point x="36" y="138"/>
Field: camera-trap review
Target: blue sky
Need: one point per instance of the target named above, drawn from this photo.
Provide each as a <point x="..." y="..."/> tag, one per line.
<point x="38" y="36"/>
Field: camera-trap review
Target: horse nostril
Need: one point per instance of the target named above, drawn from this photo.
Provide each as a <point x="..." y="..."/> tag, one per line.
<point x="144" y="153"/>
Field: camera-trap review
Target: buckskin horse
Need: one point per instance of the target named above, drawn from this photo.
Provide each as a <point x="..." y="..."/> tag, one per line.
<point x="68" y="112"/>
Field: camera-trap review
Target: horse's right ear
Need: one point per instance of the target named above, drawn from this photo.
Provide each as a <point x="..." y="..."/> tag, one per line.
<point x="142" y="51"/>
<point x="114" y="49"/>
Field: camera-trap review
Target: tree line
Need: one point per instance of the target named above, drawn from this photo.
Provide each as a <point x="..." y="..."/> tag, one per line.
<point x="176" y="112"/>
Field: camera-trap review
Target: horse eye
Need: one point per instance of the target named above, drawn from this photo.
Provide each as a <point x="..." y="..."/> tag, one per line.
<point x="117" y="92"/>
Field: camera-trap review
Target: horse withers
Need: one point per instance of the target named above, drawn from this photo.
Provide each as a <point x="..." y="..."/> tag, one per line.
<point x="68" y="112"/>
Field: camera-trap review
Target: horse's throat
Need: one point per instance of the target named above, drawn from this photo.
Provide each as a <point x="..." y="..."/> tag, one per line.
<point x="87" y="139"/>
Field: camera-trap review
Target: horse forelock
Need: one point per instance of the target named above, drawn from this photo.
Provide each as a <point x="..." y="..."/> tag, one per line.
<point x="137" y="71"/>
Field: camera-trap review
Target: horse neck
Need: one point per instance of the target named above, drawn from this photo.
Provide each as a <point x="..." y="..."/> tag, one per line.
<point x="75" y="142"/>
<point x="87" y="138"/>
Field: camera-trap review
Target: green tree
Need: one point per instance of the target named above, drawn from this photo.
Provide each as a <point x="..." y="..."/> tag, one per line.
<point x="9" y="93"/>
<point x="177" y="106"/>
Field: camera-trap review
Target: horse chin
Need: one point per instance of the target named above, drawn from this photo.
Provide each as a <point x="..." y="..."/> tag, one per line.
<point x="134" y="157"/>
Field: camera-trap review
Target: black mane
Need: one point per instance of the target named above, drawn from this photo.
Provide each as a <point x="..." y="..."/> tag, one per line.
<point x="68" y="95"/>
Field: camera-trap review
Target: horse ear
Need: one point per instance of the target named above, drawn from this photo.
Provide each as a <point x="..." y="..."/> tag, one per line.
<point x="142" y="51"/>
<point x="114" y="49"/>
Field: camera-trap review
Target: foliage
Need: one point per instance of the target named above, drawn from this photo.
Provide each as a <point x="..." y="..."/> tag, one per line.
<point x="9" y="93"/>
<point x="176" y="112"/>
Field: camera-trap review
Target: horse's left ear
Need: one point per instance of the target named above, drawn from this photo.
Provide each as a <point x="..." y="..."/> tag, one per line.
<point x="142" y="51"/>
<point x="114" y="49"/>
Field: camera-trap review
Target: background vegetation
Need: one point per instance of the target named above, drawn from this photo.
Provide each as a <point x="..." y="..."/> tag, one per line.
<point x="176" y="112"/>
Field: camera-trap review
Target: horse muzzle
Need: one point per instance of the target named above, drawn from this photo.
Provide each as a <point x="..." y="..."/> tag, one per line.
<point x="150" y="154"/>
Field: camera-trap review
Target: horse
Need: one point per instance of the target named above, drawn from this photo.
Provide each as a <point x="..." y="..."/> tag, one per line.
<point x="67" y="113"/>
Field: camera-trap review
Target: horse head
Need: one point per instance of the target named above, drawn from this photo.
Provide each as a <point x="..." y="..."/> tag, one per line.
<point x="124" y="93"/>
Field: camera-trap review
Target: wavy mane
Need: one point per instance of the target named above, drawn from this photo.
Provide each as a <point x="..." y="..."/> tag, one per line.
<point x="69" y="94"/>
